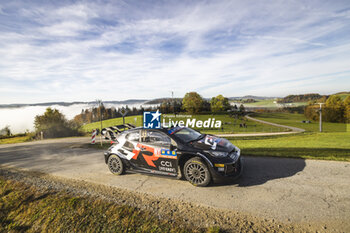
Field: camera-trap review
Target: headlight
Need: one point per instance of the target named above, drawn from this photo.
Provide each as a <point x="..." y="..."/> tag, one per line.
<point x="218" y="153"/>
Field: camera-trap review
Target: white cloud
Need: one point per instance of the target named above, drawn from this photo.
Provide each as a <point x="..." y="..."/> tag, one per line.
<point x="113" y="51"/>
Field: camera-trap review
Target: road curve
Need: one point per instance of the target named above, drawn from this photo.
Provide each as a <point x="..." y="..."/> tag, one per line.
<point x="293" y="130"/>
<point x="288" y="190"/>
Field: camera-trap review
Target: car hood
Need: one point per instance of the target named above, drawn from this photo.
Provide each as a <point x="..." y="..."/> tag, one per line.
<point x="210" y="142"/>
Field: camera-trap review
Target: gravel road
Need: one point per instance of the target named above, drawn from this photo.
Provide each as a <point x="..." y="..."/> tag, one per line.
<point x="309" y="193"/>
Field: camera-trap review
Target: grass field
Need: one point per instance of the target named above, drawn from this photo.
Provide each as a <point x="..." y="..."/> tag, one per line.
<point x="326" y="146"/>
<point x="343" y="96"/>
<point x="229" y="124"/>
<point x="135" y="120"/>
<point x="268" y="103"/>
<point x="333" y="144"/>
<point x="16" y="139"/>
<point x="296" y="121"/>
<point x="25" y="209"/>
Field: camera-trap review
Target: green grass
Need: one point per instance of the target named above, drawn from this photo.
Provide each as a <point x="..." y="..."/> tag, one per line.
<point x="325" y="146"/>
<point x="269" y="103"/>
<point x="23" y="208"/>
<point x="343" y="96"/>
<point x="111" y="122"/>
<point x="16" y="139"/>
<point x="295" y="120"/>
<point x="332" y="144"/>
<point x="230" y="124"/>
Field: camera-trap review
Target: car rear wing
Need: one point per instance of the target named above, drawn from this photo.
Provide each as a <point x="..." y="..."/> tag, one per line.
<point x="110" y="133"/>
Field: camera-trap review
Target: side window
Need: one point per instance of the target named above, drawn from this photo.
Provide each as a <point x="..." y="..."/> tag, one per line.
<point x="155" y="138"/>
<point x="133" y="136"/>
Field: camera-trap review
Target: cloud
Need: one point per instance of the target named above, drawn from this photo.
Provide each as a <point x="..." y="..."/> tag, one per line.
<point x="119" y="50"/>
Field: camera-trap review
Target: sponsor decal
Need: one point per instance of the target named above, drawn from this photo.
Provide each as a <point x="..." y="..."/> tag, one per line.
<point x="166" y="166"/>
<point x="148" y="158"/>
<point x="151" y="120"/>
<point x="166" y="163"/>
<point x="211" y="141"/>
<point x="167" y="152"/>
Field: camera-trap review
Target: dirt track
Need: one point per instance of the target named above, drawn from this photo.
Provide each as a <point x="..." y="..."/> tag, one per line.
<point x="293" y="191"/>
<point x="292" y="129"/>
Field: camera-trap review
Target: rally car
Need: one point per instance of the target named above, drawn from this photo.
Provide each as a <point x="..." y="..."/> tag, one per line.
<point x="176" y="152"/>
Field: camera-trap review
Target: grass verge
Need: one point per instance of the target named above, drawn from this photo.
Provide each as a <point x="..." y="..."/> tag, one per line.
<point x="325" y="146"/>
<point x="24" y="208"/>
<point x="19" y="139"/>
<point x="295" y="120"/>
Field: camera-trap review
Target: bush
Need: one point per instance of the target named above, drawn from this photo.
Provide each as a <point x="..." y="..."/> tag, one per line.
<point x="5" y="132"/>
<point x="53" y="124"/>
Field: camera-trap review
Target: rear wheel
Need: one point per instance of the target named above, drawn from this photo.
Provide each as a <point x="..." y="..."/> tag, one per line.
<point x="197" y="172"/>
<point x="115" y="165"/>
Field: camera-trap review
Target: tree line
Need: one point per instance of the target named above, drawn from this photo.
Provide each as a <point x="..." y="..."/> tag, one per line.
<point x="301" y="98"/>
<point x="334" y="110"/>
<point x="192" y="103"/>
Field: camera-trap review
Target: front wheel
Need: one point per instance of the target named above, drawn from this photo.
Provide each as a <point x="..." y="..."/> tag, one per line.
<point x="115" y="165"/>
<point x="197" y="172"/>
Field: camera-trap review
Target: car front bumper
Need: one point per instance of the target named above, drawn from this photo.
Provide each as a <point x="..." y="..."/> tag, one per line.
<point x="226" y="172"/>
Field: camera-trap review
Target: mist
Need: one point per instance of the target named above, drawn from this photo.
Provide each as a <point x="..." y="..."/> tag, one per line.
<point x="22" y="118"/>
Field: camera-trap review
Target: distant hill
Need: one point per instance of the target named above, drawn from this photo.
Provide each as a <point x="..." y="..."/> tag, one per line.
<point x="252" y="97"/>
<point x="131" y="101"/>
<point x="343" y="94"/>
<point x="161" y="100"/>
<point x="301" y="98"/>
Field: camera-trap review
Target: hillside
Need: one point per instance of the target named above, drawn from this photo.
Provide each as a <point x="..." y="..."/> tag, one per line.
<point x="343" y="94"/>
<point x="161" y="100"/>
<point x="130" y="101"/>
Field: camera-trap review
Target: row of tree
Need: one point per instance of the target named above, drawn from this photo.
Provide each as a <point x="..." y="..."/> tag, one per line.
<point x="334" y="110"/>
<point x="103" y="113"/>
<point x="192" y="103"/>
<point x="301" y="98"/>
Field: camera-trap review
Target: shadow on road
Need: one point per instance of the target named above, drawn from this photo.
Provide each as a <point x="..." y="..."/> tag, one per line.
<point x="259" y="170"/>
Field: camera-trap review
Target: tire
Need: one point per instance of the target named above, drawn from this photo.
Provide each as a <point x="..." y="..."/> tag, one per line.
<point x="197" y="172"/>
<point x="115" y="165"/>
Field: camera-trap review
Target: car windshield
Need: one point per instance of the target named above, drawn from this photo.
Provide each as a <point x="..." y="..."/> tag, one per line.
<point x="187" y="134"/>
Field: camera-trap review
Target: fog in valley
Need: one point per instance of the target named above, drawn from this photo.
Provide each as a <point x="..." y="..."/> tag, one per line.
<point x="21" y="119"/>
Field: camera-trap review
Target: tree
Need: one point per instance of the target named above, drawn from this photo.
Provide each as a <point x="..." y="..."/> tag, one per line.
<point x="206" y="106"/>
<point x="192" y="102"/>
<point x="54" y="124"/>
<point x="311" y="112"/>
<point x="334" y="109"/>
<point x="347" y="109"/>
<point x="219" y="104"/>
<point x="241" y="108"/>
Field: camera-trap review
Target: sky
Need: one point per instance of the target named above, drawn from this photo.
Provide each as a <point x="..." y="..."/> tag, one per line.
<point x="118" y="50"/>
